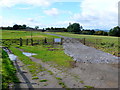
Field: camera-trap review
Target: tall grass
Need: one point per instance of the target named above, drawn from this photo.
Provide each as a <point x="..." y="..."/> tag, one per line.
<point x="8" y="71"/>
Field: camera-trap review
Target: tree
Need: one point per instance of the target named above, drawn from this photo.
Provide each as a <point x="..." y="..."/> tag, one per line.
<point x="52" y="28"/>
<point x="15" y="27"/>
<point x="99" y="32"/>
<point x="88" y="32"/>
<point x="105" y="33"/>
<point x="36" y="27"/>
<point x="115" y="31"/>
<point x="24" y="26"/>
<point x="75" y="27"/>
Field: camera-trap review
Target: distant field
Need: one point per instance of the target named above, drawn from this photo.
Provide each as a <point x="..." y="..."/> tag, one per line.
<point x="14" y="34"/>
<point x="105" y="43"/>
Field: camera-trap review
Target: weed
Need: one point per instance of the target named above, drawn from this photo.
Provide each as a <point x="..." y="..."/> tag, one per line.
<point x="45" y="84"/>
<point x="58" y="78"/>
<point x="50" y="72"/>
<point x="43" y="80"/>
<point x="35" y="78"/>
<point x="34" y="75"/>
<point x="82" y="82"/>
<point x="62" y="84"/>
<point x="88" y="86"/>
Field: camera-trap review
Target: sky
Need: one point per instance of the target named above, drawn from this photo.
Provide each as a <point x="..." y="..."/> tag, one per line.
<point x="91" y="14"/>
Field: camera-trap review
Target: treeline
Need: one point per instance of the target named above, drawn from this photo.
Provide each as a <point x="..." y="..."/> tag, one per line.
<point x="74" y="28"/>
<point x="56" y="29"/>
<point x="77" y="28"/>
<point x="15" y="27"/>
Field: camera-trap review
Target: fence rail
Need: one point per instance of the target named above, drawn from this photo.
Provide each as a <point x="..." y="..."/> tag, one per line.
<point x="21" y="42"/>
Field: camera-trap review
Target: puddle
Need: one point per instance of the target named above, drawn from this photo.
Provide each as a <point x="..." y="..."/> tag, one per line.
<point x="12" y="57"/>
<point x="28" y="54"/>
<point x="57" y="39"/>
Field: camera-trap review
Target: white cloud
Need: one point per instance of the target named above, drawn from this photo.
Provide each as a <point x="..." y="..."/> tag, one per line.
<point x="52" y="12"/>
<point x="101" y="14"/>
<point x="10" y="3"/>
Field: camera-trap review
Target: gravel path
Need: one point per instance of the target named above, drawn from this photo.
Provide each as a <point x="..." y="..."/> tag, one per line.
<point x="83" y="53"/>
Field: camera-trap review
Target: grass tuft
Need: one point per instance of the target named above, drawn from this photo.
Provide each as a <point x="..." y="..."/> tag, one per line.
<point x="43" y="80"/>
<point x="88" y="86"/>
<point x="35" y="78"/>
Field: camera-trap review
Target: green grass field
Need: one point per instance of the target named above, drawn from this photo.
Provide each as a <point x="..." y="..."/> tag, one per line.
<point x="14" y="34"/>
<point x="107" y="44"/>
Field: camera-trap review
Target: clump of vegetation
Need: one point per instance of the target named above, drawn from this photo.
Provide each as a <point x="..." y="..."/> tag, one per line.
<point x="82" y="82"/>
<point x="58" y="78"/>
<point x="45" y="84"/>
<point x="88" y="86"/>
<point x="35" y="78"/>
<point x="43" y="80"/>
<point x="8" y="71"/>
<point x="62" y="84"/>
<point x="34" y="75"/>
<point x="50" y="72"/>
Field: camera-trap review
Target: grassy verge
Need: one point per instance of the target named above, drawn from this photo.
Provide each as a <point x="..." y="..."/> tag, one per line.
<point x="33" y="67"/>
<point x="8" y="71"/>
<point x="48" y="53"/>
<point x="107" y="44"/>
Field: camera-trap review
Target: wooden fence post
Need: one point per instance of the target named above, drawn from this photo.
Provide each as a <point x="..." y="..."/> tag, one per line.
<point x="84" y="41"/>
<point x="20" y="41"/>
<point x="53" y="41"/>
<point x="26" y="41"/>
<point x="45" y="41"/>
<point x="32" y="42"/>
<point x="61" y="41"/>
